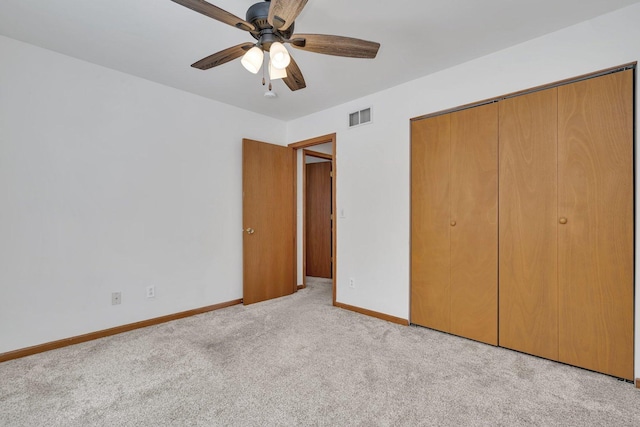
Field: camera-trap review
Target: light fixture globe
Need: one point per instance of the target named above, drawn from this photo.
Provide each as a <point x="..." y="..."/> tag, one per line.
<point x="252" y="60"/>
<point x="279" y="55"/>
<point x="275" y="73"/>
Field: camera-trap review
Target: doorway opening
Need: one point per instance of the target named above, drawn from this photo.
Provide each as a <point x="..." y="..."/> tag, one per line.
<point x="317" y="219"/>
<point x="316" y="206"/>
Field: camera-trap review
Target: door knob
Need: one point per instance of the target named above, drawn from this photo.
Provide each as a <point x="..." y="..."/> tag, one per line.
<point x="453" y="223"/>
<point x="250" y="230"/>
<point x="563" y="220"/>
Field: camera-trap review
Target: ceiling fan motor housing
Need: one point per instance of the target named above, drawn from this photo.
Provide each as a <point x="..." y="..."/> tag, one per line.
<point x="266" y="34"/>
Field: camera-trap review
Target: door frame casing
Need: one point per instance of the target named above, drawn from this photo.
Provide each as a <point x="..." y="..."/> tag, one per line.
<point x="324" y="139"/>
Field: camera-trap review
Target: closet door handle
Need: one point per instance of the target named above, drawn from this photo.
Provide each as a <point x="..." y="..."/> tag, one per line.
<point x="453" y="223"/>
<point x="563" y="220"/>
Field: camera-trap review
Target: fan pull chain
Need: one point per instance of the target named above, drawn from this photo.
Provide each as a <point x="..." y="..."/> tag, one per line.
<point x="264" y="60"/>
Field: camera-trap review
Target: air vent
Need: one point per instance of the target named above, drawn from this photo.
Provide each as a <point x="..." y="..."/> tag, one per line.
<point x="360" y="117"/>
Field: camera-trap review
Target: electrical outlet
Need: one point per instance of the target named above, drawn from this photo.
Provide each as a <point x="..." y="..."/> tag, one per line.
<point x="151" y="291"/>
<point x="116" y="298"/>
<point x="352" y="283"/>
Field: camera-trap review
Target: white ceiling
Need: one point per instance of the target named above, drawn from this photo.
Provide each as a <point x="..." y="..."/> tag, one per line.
<point x="159" y="39"/>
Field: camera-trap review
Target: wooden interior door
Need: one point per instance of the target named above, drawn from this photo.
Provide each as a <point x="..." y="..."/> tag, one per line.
<point x="318" y="219"/>
<point x="595" y="235"/>
<point x="268" y="213"/>
<point x="528" y="303"/>
<point x="430" y="229"/>
<point x="474" y="223"/>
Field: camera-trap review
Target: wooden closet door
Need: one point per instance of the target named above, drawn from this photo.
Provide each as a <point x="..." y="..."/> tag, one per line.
<point x="474" y="222"/>
<point x="528" y="302"/>
<point x="595" y="244"/>
<point x="430" y="249"/>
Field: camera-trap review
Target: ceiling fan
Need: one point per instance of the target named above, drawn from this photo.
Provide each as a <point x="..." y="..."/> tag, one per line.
<point x="271" y="23"/>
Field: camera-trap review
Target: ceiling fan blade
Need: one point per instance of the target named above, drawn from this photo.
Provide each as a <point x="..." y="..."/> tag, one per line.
<point x="335" y="45"/>
<point x="216" y="13"/>
<point x="282" y="13"/>
<point x="294" y="78"/>
<point x="223" y="56"/>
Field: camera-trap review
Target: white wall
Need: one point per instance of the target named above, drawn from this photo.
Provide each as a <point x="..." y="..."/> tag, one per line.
<point x="373" y="161"/>
<point x="110" y="183"/>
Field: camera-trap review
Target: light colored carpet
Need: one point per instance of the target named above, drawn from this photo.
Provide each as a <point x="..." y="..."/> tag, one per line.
<point x="299" y="361"/>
